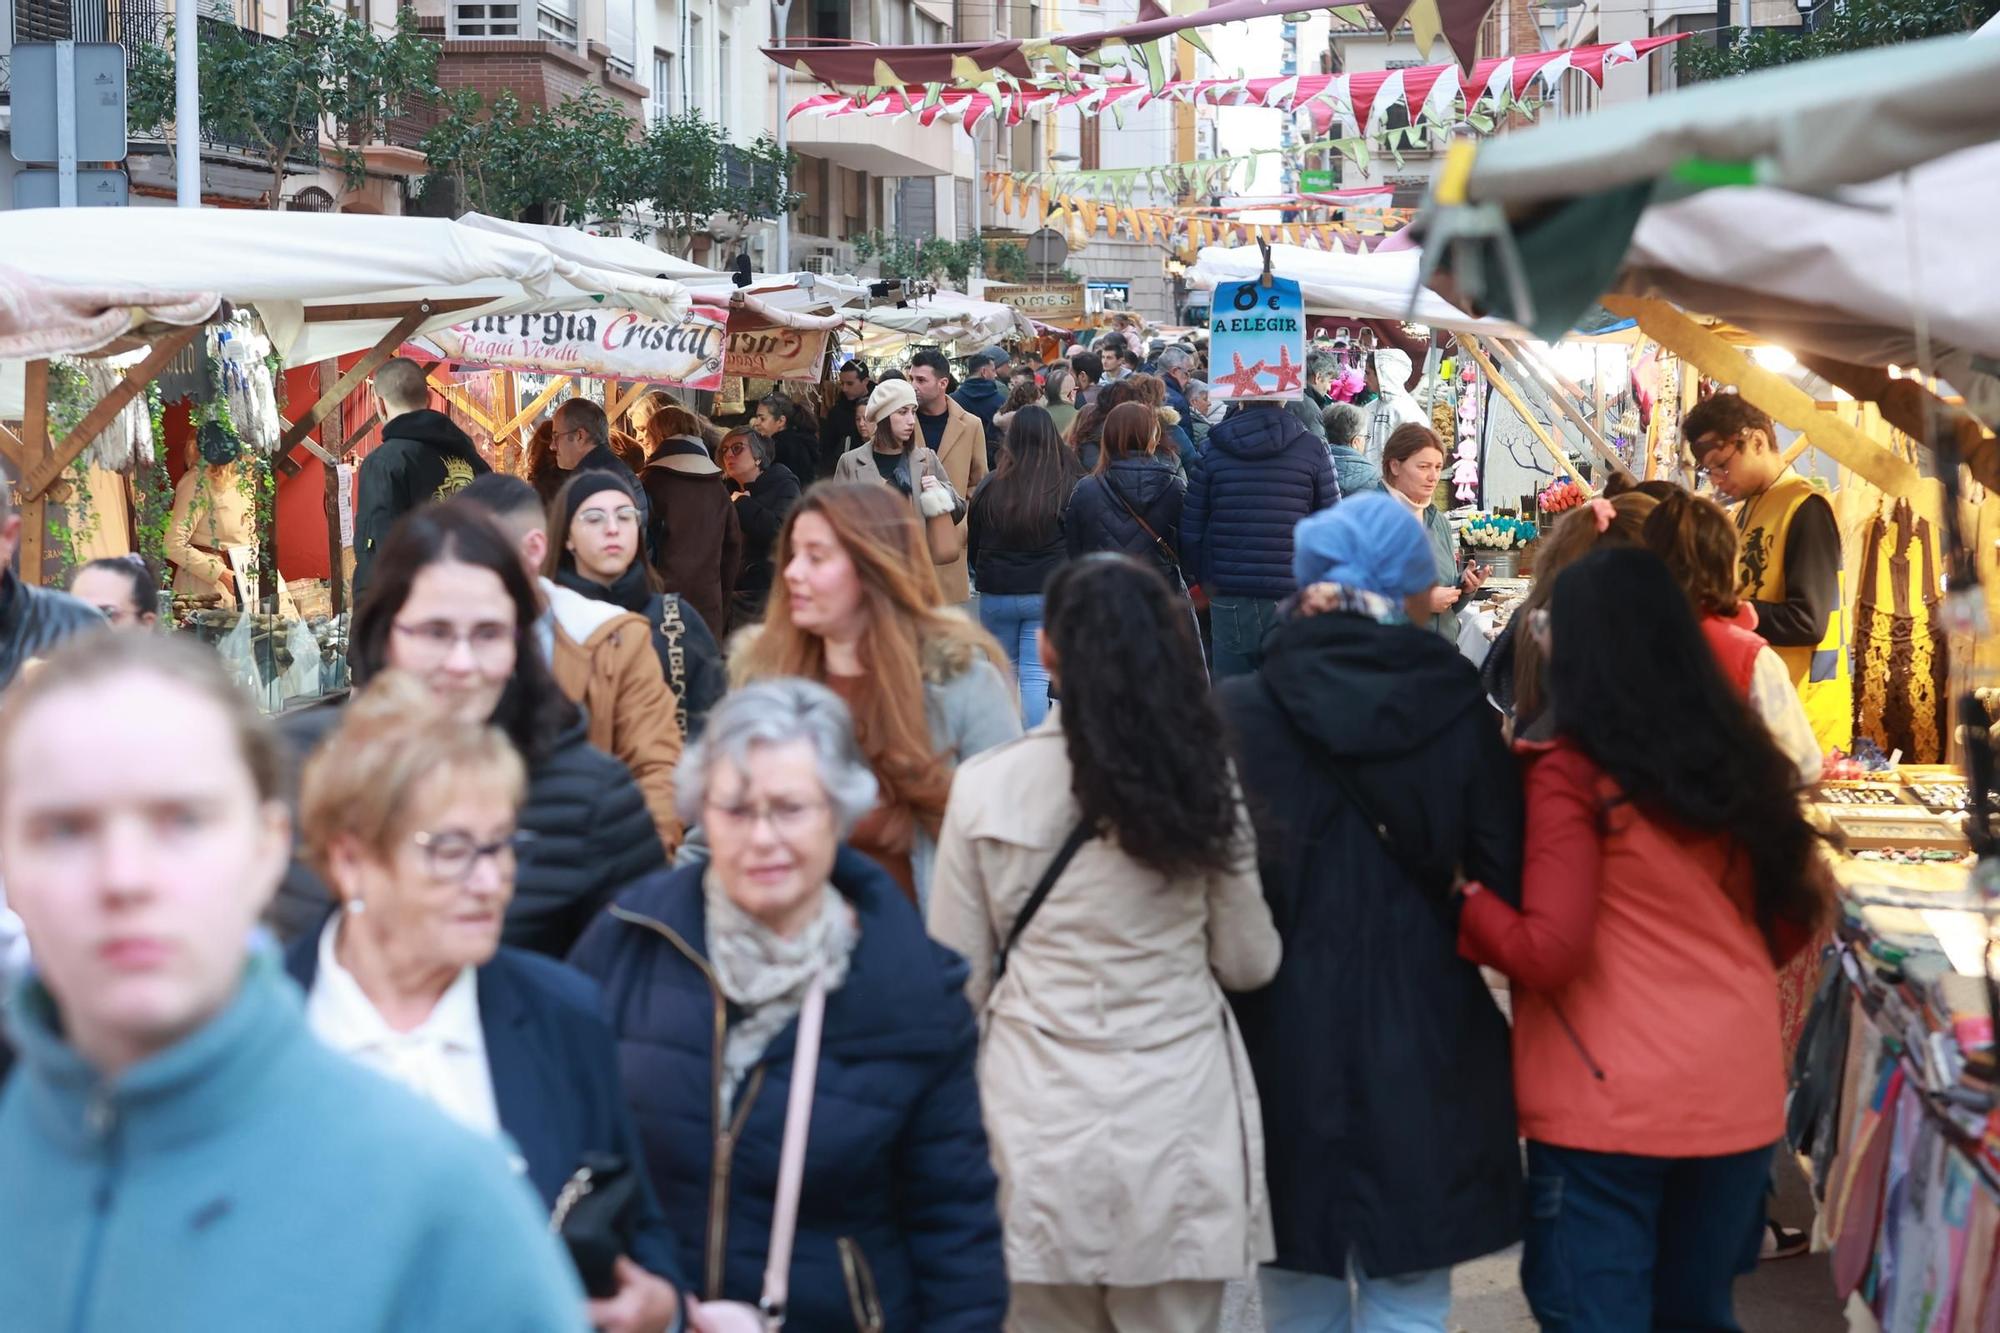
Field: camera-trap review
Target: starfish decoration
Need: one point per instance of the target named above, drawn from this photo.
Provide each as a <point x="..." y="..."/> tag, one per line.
<point x="1242" y="382"/>
<point x="1290" y="376"/>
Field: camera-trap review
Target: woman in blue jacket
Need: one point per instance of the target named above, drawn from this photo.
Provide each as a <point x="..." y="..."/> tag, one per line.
<point x="704" y="971"/>
<point x="409" y="814"/>
<point x="180" y="1154"/>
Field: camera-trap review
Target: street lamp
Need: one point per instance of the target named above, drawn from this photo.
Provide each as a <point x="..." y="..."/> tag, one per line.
<point x="781" y="14"/>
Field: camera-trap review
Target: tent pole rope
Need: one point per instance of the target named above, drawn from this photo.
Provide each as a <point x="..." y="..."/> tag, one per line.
<point x="1499" y="382"/>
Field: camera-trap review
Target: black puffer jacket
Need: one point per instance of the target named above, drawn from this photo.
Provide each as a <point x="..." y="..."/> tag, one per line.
<point x="761" y="512"/>
<point x="1098" y="518"/>
<point x="35" y="620"/>
<point x="797" y="448"/>
<point x="592" y="835"/>
<point x="1381" y="1060"/>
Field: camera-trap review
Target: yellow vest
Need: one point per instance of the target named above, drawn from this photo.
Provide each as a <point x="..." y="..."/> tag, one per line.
<point x="1821" y="674"/>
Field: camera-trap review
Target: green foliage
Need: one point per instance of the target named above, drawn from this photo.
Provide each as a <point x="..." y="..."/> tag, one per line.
<point x="1845" y="25"/>
<point x="1007" y="261"/>
<point x="153" y="491"/>
<point x="586" y="159"/>
<point x="330" y="77"/>
<point x="931" y="258"/>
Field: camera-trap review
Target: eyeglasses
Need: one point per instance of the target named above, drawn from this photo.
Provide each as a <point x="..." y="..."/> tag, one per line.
<point x="731" y="450"/>
<point x="1721" y="466"/>
<point x="788" y="819"/>
<point x="431" y="642"/>
<point x="625" y="516"/>
<point x="451" y="855"/>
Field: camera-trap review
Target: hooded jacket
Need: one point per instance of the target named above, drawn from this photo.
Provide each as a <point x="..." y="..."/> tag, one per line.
<point x="984" y="398"/>
<point x="601" y="659"/>
<point x="1395" y="407"/>
<point x="1261" y="473"/>
<point x="1380" y="1057"/>
<point x="842" y="428"/>
<point x="760" y="513"/>
<point x="423" y="456"/>
<point x="696" y="682"/>
<point x="798" y="452"/>
<point x="897" y="1224"/>
<point x="1100" y="514"/>
<point x="248" y="1176"/>
<point x="35" y="620"/>
<point x="696" y="543"/>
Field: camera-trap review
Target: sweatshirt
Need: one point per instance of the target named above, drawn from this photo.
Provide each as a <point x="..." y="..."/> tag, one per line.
<point x="423" y="456"/>
<point x="249" y="1178"/>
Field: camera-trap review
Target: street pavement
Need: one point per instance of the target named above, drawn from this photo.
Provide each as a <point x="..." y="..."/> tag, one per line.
<point x="1787" y="1296"/>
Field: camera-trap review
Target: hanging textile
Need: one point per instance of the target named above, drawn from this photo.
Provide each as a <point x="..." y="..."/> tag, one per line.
<point x="1900" y="656"/>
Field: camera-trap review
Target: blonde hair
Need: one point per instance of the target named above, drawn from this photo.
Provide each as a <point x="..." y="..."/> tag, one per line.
<point x="1574" y="536"/>
<point x="658" y="417"/>
<point x="394" y="745"/>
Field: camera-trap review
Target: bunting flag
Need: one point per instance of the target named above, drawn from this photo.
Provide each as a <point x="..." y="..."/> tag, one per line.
<point x="1362" y="99"/>
<point x="1186" y="230"/>
<point x="1147" y="44"/>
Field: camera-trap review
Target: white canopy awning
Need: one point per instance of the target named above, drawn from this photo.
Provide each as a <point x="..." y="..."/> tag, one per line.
<point x="325" y="283"/>
<point x="1376" y="286"/>
<point x="961" y="322"/>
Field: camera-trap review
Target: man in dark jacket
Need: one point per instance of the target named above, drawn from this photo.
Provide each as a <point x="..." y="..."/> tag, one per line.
<point x="1177" y="371"/>
<point x="1376" y="772"/>
<point x="32" y="620"/>
<point x="844" y="428"/>
<point x="785" y="424"/>
<point x="1261" y="473"/>
<point x="423" y="456"/>
<point x="983" y="394"/>
<point x="582" y="440"/>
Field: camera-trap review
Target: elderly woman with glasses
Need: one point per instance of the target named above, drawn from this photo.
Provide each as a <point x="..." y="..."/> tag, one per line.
<point x="764" y="491"/>
<point x="705" y="970"/>
<point x="409" y="814"/>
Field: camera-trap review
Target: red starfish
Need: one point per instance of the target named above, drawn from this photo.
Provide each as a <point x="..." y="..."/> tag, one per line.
<point x="1242" y="382"/>
<point x="1290" y="376"/>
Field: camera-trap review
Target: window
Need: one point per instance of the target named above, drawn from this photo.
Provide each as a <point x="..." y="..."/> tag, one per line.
<point x="829" y="20"/>
<point x="556" y="21"/>
<point x="661" y="104"/>
<point x="621" y="35"/>
<point x="479" y="18"/>
<point x="916" y="208"/>
<point x="724" y="79"/>
<point x="696" y="66"/>
<point x="962" y="206"/>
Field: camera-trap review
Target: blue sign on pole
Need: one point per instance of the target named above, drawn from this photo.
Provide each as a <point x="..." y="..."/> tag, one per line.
<point x="1257" y="341"/>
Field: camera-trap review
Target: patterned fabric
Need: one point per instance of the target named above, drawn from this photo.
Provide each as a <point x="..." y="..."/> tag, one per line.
<point x="1900" y="665"/>
<point x="1317" y="599"/>
<point x="766" y="974"/>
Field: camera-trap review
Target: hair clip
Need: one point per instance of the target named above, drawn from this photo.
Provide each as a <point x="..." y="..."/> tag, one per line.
<point x="1603" y="511"/>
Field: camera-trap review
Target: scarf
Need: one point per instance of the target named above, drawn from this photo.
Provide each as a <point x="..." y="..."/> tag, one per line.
<point x="766" y="975"/>
<point x="630" y="590"/>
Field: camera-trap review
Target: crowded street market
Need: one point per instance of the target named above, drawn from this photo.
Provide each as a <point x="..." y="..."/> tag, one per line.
<point x="1342" y="691"/>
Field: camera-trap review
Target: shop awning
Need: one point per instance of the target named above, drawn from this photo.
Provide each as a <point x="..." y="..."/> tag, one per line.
<point x="952" y="319"/>
<point x="1377" y="286"/>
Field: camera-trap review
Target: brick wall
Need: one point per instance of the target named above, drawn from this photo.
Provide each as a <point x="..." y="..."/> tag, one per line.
<point x="539" y="73"/>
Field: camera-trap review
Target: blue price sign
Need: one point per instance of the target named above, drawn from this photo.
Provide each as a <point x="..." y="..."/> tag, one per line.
<point x="1257" y="341"/>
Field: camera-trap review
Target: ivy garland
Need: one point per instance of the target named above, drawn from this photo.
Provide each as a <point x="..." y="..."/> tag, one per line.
<point x="153" y="492"/>
<point x="71" y="524"/>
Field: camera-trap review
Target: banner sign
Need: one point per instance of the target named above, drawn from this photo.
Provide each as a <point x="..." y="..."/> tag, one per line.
<point x="608" y="343"/>
<point x="1058" y="301"/>
<point x="1257" y="341"/>
<point x="776" y="354"/>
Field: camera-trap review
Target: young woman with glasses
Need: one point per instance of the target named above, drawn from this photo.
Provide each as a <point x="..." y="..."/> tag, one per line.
<point x="453" y="607"/>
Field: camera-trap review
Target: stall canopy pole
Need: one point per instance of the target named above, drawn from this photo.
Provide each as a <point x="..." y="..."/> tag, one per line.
<point x="1499" y="382"/>
<point x="35" y="445"/>
<point x="1785" y="401"/>
<point x="45" y="473"/>
<point x="336" y="582"/>
<point x="347" y="383"/>
<point x="533" y="409"/>
<point x="626" y="400"/>
<point x="1538" y="373"/>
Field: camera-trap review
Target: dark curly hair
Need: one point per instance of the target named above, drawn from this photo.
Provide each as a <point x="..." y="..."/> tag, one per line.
<point x="1145" y="741"/>
<point x="1637" y="687"/>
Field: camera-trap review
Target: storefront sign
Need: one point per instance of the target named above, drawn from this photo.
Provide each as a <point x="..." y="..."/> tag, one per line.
<point x="1257" y="341"/>
<point x="776" y="354"/>
<point x="609" y="343"/>
<point x="1311" y="182"/>
<point x="1061" y="301"/>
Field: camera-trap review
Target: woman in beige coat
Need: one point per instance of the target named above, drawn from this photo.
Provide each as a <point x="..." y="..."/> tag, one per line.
<point x="1124" y="1123"/>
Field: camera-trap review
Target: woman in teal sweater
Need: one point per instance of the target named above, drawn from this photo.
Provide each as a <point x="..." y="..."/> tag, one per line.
<point x="181" y="1154"/>
<point x="1412" y="463"/>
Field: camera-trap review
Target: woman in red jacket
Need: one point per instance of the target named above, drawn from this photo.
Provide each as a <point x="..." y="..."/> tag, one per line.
<point x="1669" y="870"/>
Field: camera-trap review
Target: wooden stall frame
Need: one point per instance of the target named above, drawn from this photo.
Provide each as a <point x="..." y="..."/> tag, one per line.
<point x="1544" y="378"/>
<point x="1507" y="391"/>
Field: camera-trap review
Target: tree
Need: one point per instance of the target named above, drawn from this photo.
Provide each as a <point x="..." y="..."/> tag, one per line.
<point x="1847" y="25"/>
<point x="586" y="160"/>
<point x="931" y="258"/>
<point x="331" y="81"/>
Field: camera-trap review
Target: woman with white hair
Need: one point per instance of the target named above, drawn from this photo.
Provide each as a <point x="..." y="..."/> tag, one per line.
<point x="705" y="971"/>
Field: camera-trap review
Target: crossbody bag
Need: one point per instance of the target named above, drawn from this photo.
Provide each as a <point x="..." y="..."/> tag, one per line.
<point x="1167" y="553"/>
<point x="1082" y="833"/>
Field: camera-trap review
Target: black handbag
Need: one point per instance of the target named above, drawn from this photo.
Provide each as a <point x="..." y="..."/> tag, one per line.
<point x="596" y="1214"/>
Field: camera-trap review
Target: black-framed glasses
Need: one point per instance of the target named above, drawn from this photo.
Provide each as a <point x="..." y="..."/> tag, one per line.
<point x="452" y="854"/>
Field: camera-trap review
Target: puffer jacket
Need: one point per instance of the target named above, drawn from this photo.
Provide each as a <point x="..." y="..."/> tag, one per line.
<point x="591" y="836"/>
<point x="1351" y="468"/>
<point x="35" y="620"/>
<point x="797" y="448"/>
<point x="1097" y="518"/>
<point x="697" y="682"/>
<point x="898" y="1227"/>
<point x="1261" y="473"/>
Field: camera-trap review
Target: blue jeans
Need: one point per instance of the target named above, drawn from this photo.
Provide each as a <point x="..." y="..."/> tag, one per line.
<point x="1619" y="1242"/>
<point x="1238" y="626"/>
<point x="1313" y="1303"/>
<point x="1013" y="619"/>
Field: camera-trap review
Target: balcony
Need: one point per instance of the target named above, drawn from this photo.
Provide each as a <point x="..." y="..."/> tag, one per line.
<point x="880" y="146"/>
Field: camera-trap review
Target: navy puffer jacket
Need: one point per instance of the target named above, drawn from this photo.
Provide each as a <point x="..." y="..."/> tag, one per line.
<point x="1260" y="474"/>
<point x="1098" y="518"/>
<point x="898" y="1227"/>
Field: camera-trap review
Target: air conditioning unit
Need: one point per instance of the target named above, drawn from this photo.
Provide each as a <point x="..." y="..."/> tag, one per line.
<point x="820" y="264"/>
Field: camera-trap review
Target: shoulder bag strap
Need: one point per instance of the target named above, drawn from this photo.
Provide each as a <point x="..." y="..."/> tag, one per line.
<point x="1082" y="833"/>
<point x="1166" y="552"/>
<point x="792" y="1156"/>
<point x="674" y="628"/>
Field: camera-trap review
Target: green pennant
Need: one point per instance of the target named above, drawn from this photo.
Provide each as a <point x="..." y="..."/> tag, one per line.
<point x="933" y="94"/>
<point x="1156" y="67"/>
<point x="1193" y="37"/>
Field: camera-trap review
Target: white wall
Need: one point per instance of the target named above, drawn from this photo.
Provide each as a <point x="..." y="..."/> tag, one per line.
<point x="736" y="93"/>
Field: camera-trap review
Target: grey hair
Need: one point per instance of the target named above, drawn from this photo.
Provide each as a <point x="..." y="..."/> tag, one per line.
<point x="1195" y="389"/>
<point x="779" y="712"/>
<point x="1343" y="423"/>
<point x="1320" y="363"/>
<point x="1173" y="358"/>
<point x="762" y="450"/>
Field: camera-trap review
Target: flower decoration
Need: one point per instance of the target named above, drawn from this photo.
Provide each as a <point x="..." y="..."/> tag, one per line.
<point x="1493" y="532"/>
<point x="1560" y="496"/>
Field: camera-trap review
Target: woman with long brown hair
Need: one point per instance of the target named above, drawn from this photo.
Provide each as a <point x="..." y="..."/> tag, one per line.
<point x="1131" y="501"/>
<point x="695" y="539"/>
<point x="861" y="613"/>
<point x="1087" y="432"/>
